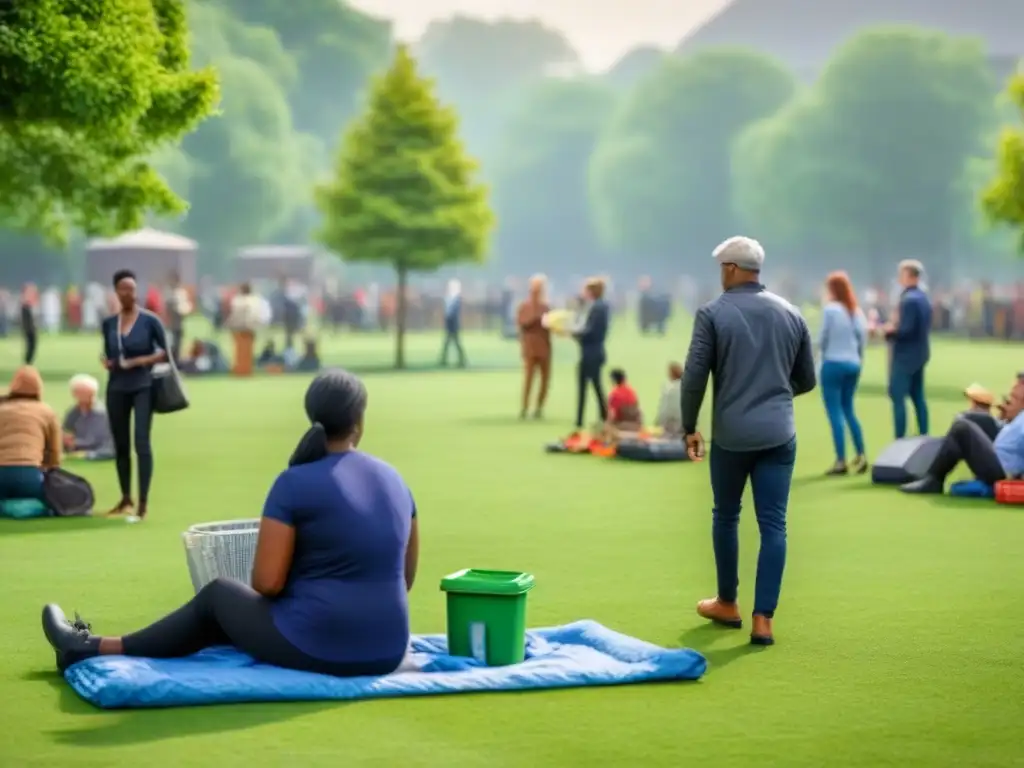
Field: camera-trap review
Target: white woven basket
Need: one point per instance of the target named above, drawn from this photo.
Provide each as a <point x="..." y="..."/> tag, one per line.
<point x="224" y="548"/>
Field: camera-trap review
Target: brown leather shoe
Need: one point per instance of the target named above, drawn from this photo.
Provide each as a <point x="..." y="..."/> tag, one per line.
<point x="726" y="614"/>
<point x="761" y="633"/>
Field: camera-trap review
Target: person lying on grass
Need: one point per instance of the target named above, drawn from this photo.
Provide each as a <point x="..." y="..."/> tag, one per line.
<point x="990" y="460"/>
<point x="337" y="552"/>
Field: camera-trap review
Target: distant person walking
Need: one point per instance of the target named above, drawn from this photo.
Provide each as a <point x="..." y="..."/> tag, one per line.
<point x="535" y="344"/>
<point x="908" y="333"/>
<point x="453" y="323"/>
<point x="841" y="342"/>
<point x="758" y="351"/>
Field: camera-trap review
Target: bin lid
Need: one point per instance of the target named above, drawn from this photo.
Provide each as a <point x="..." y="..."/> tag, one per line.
<point x="483" y="582"/>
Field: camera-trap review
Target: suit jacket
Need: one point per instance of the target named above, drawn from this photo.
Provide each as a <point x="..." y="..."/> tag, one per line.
<point x="911" y="349"/>
<point x="453" y="314"/>
<point x="592" y="335"/>
<point x="534" y="338"/>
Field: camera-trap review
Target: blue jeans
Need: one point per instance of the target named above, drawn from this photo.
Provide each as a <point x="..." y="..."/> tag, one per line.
<point x="21" y="483"/>
<point x="770" y="472"/>
<point x="838" y="386"/>
<point x="904" y="384"/>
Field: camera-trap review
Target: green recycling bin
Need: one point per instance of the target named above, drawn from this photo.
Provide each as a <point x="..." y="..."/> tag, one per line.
<point x="487" y="615"/>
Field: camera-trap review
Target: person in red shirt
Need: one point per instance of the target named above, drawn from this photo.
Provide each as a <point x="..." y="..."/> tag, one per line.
<point x="623" y="405"/>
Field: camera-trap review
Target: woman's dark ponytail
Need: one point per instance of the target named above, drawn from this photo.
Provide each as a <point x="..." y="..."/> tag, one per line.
<point x="312" y="446"/>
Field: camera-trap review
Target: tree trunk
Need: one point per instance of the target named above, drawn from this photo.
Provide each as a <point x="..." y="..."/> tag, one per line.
<point x="403" y="277"/>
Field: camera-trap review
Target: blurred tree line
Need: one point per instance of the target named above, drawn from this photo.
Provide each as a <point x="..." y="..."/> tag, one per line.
<point x="642" y="169"/>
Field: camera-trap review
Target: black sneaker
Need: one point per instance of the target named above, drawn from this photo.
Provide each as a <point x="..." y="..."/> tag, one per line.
<point x="71" y="640"/>
<point x="927" y="485"/>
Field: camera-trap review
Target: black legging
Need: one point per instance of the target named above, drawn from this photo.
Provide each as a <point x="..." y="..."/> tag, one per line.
<point x="227" y="612"/>
<point x="119" y="410"/>
<point x="589" y="372"/>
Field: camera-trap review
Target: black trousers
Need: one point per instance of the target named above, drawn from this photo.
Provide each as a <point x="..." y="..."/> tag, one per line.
<point x="451" y="338"/>
<point x="120" y="406"/>
<point x="227" y="612"/>
<point x="967" y="442"/>
<point x="31" y="344"/>
<point x="588" y="372"/>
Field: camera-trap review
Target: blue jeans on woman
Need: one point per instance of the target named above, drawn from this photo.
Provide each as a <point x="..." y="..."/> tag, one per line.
<point x="770" y="473"/>
<point x="838" y="386"/>
<point x="21" y="483"/>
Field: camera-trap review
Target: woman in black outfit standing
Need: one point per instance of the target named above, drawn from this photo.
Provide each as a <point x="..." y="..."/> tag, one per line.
<point x="134" y="341"/>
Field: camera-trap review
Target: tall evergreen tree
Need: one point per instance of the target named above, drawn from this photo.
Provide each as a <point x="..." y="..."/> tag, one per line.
<point x="404" y="192"/>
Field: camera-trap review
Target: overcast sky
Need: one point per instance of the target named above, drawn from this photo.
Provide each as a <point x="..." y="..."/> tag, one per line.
<point x="601" y="30"/>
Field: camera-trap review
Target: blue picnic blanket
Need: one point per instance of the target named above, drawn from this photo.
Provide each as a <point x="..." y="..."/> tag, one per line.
<point x="579" y="654"/>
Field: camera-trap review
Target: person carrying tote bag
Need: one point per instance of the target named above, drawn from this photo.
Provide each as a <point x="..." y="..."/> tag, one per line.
<point x="134" y="343"/>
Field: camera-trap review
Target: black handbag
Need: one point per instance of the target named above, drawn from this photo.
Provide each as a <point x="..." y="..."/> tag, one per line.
<point x="168" y="391"/>
<point x="67" y="494"/>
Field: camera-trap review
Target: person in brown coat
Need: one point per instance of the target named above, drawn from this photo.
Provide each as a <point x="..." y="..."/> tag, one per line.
<point x="30" y="437"/>
<point x="535" y="342"/>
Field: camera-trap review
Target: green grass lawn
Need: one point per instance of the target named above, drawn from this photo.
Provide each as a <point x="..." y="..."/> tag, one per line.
<point x="899" y="633"/>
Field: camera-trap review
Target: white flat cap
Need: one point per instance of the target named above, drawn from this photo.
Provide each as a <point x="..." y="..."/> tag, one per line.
<point x="744" y="252"/>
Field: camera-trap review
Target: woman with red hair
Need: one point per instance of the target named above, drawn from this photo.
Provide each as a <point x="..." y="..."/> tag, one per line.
<point x="841" y="342"/>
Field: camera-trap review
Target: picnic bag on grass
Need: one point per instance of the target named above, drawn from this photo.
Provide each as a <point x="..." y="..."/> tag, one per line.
<point x="67" y="494"/>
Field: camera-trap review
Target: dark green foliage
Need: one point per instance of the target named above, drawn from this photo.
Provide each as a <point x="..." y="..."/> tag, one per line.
<point x="91" y="89"/>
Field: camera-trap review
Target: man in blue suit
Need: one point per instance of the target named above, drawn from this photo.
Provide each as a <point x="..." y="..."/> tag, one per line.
<point x="908" y="335"/>
<point x="453" y="323"/>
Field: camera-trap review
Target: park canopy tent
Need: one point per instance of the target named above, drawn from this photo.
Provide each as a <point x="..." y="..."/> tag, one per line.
<point x="152" y="255"/>
<point x="259" y="263"/>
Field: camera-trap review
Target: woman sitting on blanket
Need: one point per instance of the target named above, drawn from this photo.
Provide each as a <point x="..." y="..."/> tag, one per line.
<point x="337" y="552"/>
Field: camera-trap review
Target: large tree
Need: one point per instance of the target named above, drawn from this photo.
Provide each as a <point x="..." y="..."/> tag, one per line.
<point x="660" y="177"/>
<point x="1004" y="198"/>
<point x="90" y="91"/>
<point x="872" y="165"/>
<point x="540" y="176"/>
<point x="404" y="191"/>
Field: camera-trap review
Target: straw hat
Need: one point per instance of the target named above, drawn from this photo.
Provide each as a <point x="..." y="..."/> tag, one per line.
<point x="978" y="394"/>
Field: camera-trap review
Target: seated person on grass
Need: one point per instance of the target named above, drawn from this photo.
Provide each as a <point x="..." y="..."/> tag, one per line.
<point x="30" y="439"/>
<point x="310" y="361"/>
<point x="989" y="460"/>
<point x="269" y="356"/>
<point x="670" y="407"/>
<point x="86" y="426"/>
<point x="623" y="407"/>
<point x="980" y="410"/>
<point x="337" y="553"/>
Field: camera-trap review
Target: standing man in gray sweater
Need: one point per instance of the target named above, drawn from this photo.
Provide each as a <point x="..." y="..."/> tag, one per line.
<point x="757" y="349"/>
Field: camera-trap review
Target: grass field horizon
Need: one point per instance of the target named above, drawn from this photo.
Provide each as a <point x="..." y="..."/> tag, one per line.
<point x="899" y="629"/>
